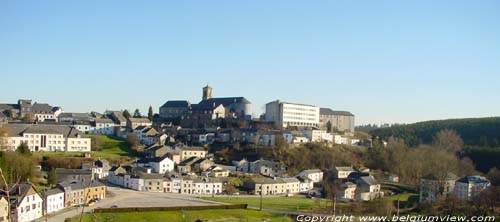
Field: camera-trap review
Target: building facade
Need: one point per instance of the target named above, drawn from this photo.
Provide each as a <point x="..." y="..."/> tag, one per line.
<point x="285" y="114"/>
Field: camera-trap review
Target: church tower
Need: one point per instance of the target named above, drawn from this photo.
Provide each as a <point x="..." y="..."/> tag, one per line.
<point x="207" y="92"/>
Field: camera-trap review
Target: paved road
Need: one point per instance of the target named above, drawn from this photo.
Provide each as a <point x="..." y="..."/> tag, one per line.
<point x="131" y="198"/>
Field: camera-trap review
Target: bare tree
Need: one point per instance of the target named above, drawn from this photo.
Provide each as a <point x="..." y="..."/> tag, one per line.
<point x="448" y="140"/>
<point x="7" y="189"/>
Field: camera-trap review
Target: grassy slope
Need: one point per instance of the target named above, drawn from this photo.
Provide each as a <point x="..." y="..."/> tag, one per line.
<point x="177" y="216"/>
<point x="112" y="148"/>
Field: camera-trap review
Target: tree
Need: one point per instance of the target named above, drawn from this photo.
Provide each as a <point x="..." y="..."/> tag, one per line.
<point x="3" y="134"/>
<point x="150" y="113"/>
<point x="96" y="143"/>
<point x="126" y="114"/>
<point x="52" y="177"/>
<point x="28" y="118"/>
<point x="23" y="149"/>
<point x="466" y="167"/>
<point x="329" y="126"/>
<point x="137" y="113"/>
<point x="132" y="140"/>
<point x="448" y="140"/>
<point x="6" y="189"/>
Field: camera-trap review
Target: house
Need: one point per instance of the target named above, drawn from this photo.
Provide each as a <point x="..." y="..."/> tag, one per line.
<point x="368" y="188"/>
<point x="43" y="111"/>
<point x="156" y="150"/>
<point x="103" y="126"/>
<point x="314" y="135"/>
<point x="187" y="166"/>
<point x="116" y="175"/>
<point x="173" y="109"/>
<point x="4" y="209"/>
<point x="192" y="151"/>
<point x="26" y="203"/>
<point x="159" y="165"/>
<point x="78" y="193"/>
<point x="315" y="175"/>
<point x="133" y="123"/>
<point x="433" y="188"/>
<point x="73" y="175"/>
<point x="53" y="200"/>
<point x="306" y="184"/>
<point x="117" y="118"/>
<point x="347" y="192"/>
<point x="46" y="138"/>
<point x="99" y="168"/>
<point x="147" y="135"/>
<point x="75" y="117"/>
<point x="342" y="172"/>
<point x="267" y="168"/>
<point x="469" y="187"/>
<point x="336" y="121"/>
<point x="215" y="171"/>
<point x="276" y="186"/>
<point x="152" y="182"/>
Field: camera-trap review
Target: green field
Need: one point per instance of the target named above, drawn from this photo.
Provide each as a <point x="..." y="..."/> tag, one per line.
<point x="111" y="148"/>
<point x="185" y="216"/>
<point x="295" y="204"/>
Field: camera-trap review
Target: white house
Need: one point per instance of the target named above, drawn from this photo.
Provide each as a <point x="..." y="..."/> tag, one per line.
<point x="316" y="175"/>
<point x="306" y="184"/>
<point x="158" y="164"/>
<point x="318" y="135"/>
<point x="342" y="172"/>
<point x="54" y="200"/>
<point x="102" y="126"/>
<point x="100" y="168"/>
<point x="470" y="186"/>
<point x="4" y="209"/>
<point x="27" y="204"/>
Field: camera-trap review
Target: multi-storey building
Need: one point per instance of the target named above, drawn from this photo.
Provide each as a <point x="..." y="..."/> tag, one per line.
<point x="336" y="121"/>
<point x="469" y="187"/>
<point x="46" y="138"/>
<point x="285" y="114"/>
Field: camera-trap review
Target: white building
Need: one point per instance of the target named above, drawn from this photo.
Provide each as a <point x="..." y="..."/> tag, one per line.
<point x="27" y="204"/>
<point x="342" y="172"/>
<point x="285" y="114"/>
<point x="159" y="165"/>
<point x="4" y="209"/>
<point x="54" y="200"/>
<point x="470" y="186"/>
<point x="100" y="168"/>
<point x="102" y="126"/>
<point x="318" y="136"/>
<point x="46" y="138"/>
<point x="315" y="175"/>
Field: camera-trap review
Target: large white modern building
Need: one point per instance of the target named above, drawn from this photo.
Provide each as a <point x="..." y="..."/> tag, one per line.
<point x="50" y="138"/>
<point x="285" y="114"/>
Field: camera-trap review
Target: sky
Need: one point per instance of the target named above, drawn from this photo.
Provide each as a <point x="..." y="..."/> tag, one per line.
<point x="385" y="61"/>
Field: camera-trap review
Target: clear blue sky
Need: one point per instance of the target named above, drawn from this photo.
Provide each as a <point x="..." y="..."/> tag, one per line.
<point x="385" y="61"/>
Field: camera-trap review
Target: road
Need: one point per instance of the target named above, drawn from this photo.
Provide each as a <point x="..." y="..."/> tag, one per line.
<point x="131" y="198"/>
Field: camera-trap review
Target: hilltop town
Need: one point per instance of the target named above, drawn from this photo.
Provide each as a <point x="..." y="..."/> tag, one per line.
<point x="209" y="151"/>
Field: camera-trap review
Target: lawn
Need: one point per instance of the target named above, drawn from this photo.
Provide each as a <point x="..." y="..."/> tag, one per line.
<point x="112" y="147"/>
<point x="295" y="204"/>
<point x="185" y="216"/>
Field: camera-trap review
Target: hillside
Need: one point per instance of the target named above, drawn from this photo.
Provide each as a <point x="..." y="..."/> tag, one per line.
<point x="482" y="132"/>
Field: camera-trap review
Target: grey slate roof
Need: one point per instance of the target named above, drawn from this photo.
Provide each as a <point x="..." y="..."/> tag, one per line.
<point x="66" y="131"/>
<point x="139" y="120"/>
<point x="328" y="111"/>
<point x="369" y="180"/>
<point x="53" y="191"/>
<point x="42" y="108"/>
<point x="176" y="104"/>
<point x="225" y="101"/>
<point x="474" y="180"/>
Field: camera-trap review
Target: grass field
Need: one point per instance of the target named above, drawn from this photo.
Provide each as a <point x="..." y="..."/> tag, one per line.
<point x="111" y="148"/>
<point x="185" y="216"/>
<point x="295" y="204"/>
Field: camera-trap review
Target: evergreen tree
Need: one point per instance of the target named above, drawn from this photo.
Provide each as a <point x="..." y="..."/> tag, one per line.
<point x="150" y="113"/>
<point x="52" y="177"/>
<point x="126" y="114"/>
<point x="137" y="113"/>
<point x="23" y="149"/>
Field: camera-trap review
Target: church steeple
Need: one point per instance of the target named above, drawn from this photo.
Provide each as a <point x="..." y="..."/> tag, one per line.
<point x="207" y="92"/>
